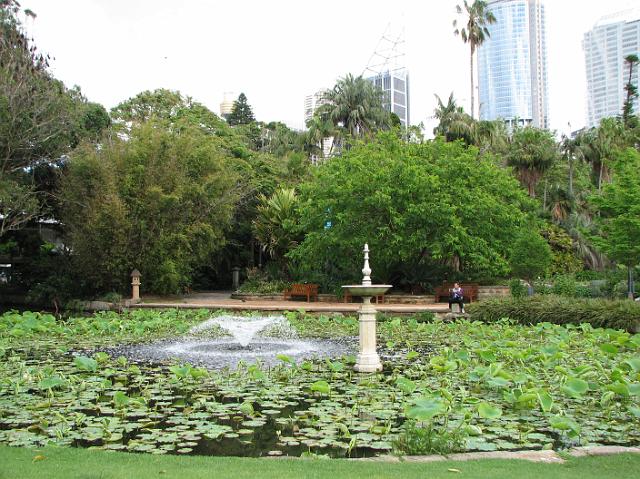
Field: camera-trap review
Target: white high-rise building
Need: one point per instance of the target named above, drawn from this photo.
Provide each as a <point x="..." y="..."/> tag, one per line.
<point x="312" y="103"/>
<point x="512" y="64"/>
<point x="395" y="84"/>
<point x="611" y="39"/>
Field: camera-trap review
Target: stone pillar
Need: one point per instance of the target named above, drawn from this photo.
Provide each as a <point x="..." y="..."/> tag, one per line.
<point x="368" y="360"/>
<point x="235" y="278"/>
<point x="135" y="286"/>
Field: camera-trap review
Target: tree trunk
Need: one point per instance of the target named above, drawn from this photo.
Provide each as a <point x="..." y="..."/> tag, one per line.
<point x="600" y="175"/>
<point x="570" y="176"/>
<point x="630" y="289"/>
<point x="472" y="87"/>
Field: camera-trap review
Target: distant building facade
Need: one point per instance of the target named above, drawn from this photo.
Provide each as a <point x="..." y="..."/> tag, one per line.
<point x="226" y="107"/>
<point x="395" y="84"/>
<point x="605" y="47"/>
<point x="512" y="65"/>
<point x="312" y="103"/>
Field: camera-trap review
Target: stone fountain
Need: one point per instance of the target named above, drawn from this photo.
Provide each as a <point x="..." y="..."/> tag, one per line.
<point x="368" y="360"/>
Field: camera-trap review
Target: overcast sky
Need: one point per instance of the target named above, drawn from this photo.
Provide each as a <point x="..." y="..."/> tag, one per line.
<point x="277" y="52"/>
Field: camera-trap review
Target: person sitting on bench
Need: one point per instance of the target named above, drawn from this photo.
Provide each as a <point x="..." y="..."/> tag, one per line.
<point x="456" y="296"/>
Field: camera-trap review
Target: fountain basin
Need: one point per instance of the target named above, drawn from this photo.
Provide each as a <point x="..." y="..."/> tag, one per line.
<point x="367" y="289"/>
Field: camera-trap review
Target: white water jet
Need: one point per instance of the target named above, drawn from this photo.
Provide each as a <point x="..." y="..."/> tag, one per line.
<point x="242" y="328"/>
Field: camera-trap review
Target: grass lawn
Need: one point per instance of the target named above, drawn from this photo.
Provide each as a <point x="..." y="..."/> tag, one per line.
<point x="69" y="463"/>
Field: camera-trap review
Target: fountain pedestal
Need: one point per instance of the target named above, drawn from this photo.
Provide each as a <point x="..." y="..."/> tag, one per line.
<point x="368" y="360"/>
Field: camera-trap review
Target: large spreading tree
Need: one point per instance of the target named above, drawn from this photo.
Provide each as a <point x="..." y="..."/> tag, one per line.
<point x="416" y="205"/>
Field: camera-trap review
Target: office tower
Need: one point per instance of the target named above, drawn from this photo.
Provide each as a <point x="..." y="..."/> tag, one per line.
<point x="512" y="64"/>
<point x="605" y="47"/>
<point x="395" y="84"/>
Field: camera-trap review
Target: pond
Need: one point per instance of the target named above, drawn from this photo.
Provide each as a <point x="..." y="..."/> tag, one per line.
<point x="461" y="386"/>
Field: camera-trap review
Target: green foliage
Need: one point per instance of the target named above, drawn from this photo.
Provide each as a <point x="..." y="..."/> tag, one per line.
<point x="532" y="151"/>
<point x="420" y="439"/>
<point x="559" y="310"/>
<point x="619" y="208"/>
<point x="564" y="285"/>
<point x="530" y="256"/>
<point x="517" y="289"/>
<point x="40" y="121"/>
<point x="416" y="205"/>
<point x="563" y="257"/>
<point x="276" y="223"/>
<point x="160" y="202"/>
<point x="259" y="282"/>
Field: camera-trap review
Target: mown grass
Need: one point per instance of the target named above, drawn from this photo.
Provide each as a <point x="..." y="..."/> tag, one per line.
<point x="68" y="463"/>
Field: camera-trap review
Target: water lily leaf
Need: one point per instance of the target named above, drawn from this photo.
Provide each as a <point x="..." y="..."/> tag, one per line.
<point x="425" y="408"/>
<point x="545" y="400"/>
<point x="488" y="411"/>
<point x="321" y="386"/>
<point x="609" y="348"/>
<point x="52" y="382"/>
<point x="634" y="363"/>
<point x="405" y="385"/>
<point x="635" y="411"/>
<point x="575" y="387"/>
<point x="286" y="359"/>
<point x="120" y="399"/>
<point x="619" y="388"/>
<point x="246" y="408"/>
<point x="634" y="389"/>
<point x="606" y="398"/>
<point x="563" y="423"/>
<point x="85" y="364"/>
<point x="412" y="355"/>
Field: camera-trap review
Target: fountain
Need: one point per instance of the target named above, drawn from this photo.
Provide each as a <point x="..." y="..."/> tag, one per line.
<point x="368" y="360"/>
<point x="246" y="345"/>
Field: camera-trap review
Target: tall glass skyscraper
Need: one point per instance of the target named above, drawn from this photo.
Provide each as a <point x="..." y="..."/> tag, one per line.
<point x="512" y="64"/>
<point x="605" y="47"/>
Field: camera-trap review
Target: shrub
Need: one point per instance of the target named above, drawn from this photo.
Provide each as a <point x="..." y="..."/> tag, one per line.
<point x="600" y="313"/>
<point x="564" y="285"/>
<point x="517" y="288"/>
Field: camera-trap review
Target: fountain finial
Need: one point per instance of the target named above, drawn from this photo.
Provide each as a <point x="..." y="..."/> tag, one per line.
<point x="366" y="271"/>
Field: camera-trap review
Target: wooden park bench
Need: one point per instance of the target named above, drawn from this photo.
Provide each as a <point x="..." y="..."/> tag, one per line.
<point x="298" y="289"/>
<point x="469" y="291"/>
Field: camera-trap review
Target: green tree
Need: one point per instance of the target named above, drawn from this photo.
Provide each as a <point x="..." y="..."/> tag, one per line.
<point x="454" y="124"/>
<point x="600" y="145"/>
<point x="619" y="218"/>
<point x="421" y="207"/>
<point x="40" y="121"/>
<point x="532" y="151"/>
<point x="241" y="113"/>
<point x="355" y="106"/>
<point x="531" y="256"/>
<point x="160" y="201"/>
<point x="474" y="32"/>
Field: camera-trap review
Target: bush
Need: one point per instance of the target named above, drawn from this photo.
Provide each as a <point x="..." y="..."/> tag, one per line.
<point x="517" y="288"/>
<point x="564" y="285"/>
<point x="554" y="309"/>
<point x="260" y="283"/>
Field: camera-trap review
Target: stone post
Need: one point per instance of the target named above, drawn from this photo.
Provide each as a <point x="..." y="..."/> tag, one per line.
<point x="235" y="277"/>
<point x="368" y="360"/>
<point x="135" y="286"/>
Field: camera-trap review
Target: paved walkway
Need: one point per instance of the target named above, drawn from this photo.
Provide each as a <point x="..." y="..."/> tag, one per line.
<point x="222" y="300"/>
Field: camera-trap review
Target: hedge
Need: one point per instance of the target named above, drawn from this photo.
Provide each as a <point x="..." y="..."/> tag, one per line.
<point x="600" y="313"/>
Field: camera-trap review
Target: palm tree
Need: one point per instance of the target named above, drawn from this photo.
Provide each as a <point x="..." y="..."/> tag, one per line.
<point x="275" y="223"/>
<point x="320" y="131"/>
<point x="532" y="152"/>
<point x="630" y="120"/>
<point x="454" y="124"/>
<point x="474" y="32"/>
<point x="355" y="106"/>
